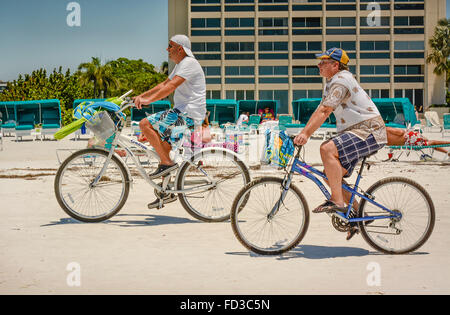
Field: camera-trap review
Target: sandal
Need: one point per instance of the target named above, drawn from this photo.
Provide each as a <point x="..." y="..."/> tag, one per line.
<point x="329" y="206"/>
<point x="352" y="232"/>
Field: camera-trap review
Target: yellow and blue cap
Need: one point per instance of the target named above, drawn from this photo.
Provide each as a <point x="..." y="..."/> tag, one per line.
<point x="335" y="54"/>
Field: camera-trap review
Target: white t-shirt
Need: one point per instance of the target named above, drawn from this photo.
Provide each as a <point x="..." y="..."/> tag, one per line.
<point x="190" y="97"/>
<point x="241" y="119"/>
<point x="353" y="108"/>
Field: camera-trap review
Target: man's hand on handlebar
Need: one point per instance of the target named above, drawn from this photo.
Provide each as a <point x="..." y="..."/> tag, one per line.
<point x="138" y="102"/>
<point x="301" y="139"/>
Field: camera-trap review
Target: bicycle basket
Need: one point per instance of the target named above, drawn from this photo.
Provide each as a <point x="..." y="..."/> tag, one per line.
<point x="278" y="148"/>
<point x="101" y="125"/>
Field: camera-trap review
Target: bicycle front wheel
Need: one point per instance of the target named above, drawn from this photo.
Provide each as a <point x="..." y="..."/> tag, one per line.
<point x="213" y="204"/>
<point x="88" y="203"/>
<point x="403" y="235"/>
<point x="259" y="232"/>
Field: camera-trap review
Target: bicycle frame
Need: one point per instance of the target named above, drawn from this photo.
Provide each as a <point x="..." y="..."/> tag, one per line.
<point x="126" y="143"/>
<point x="309" y="172"/>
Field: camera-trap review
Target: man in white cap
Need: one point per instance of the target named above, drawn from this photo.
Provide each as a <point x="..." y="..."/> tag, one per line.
<point x="163" y="129"/>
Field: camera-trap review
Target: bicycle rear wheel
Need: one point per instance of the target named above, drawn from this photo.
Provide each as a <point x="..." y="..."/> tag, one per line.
<point x="75" y="194"/>
<point x="213" y="204"/>
<point x="255" y="230"/>
<point x="412" y="230"/>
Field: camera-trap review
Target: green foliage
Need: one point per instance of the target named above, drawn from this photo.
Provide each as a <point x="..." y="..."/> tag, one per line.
<point x="39" y="86"/>
<point x="440" y="49"/>
<point x="137" y="75"/>
<point x="100" y="77"/>
<point x="90" y="81"/>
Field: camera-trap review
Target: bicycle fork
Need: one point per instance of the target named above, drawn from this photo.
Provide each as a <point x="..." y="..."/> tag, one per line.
<point x="285" y="188"/>
<point x="103" y="170"/>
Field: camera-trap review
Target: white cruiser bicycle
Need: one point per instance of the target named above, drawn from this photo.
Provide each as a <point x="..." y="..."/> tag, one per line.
<point x="92" y="185"/>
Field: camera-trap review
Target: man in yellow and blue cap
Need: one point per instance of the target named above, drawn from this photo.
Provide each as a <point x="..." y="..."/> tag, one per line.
<point x="337" y="54"/>
<point x="361" y="130"/>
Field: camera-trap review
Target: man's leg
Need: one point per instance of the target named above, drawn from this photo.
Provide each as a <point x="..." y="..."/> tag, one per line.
<point x="437" y="142"/>
<point x="333" y="171"/>
<point x="162" y="148"/>
<point x="347" y="195"/>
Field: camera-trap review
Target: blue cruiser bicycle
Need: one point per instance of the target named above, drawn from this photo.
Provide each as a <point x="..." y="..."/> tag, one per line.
<point x="270" y="215"/>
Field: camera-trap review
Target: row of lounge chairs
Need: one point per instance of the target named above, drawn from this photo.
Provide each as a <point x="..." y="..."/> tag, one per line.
<point x="21" y="119"/>
<point x="25" y="125"/>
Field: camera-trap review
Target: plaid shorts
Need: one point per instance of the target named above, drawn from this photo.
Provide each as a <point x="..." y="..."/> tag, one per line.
<point x="170" y="124"/>
<point x="352" y="149"/>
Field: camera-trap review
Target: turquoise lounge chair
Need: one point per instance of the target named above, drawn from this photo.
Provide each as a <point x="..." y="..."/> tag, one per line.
<point x="51" y="122"/>
<point x="8" y="119"/>
<point x="446" y="129"/>
<point x="25" y="124"/>
<point x="8" y="127"/>
<point x="283" y="120"/>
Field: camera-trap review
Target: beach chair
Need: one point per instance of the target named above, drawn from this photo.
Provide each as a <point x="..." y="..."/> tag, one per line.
<point x="283" y="120"/>
<point x="25" y="124"/>
<point x="446" y="130"/>
<point x="432" y="122"/>
<point x="253" y="123"/>
<point x="1" y="134"/>
<point x="8" y="112"/>
<point x="9" y="127"/>
<point x="51" y="122"/>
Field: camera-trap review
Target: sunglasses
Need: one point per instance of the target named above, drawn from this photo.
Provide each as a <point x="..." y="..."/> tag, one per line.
<point x="324" y="62"/>
<point x="171" y="46"/>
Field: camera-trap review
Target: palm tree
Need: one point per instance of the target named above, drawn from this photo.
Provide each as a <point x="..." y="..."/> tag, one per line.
<point x="101" y="76"/>
<point x="440" y="49"/>
<point x="89" y="73"/>
<point x="107" y="80"/>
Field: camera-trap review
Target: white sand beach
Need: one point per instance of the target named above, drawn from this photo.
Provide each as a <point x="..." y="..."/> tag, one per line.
<point x="142" y="251"/>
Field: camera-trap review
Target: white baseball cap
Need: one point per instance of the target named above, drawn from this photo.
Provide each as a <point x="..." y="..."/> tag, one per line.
<point x="184" y="42"/>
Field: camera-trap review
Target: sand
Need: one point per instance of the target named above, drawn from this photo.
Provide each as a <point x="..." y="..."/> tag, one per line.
<point x="141" y="251"/>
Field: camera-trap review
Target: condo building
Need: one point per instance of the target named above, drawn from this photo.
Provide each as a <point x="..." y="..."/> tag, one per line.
<point x="265" y="49"/>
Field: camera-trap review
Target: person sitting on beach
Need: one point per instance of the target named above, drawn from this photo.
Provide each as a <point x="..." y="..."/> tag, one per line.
<point x="401" y="137"/>
<point x="361" y="129"/>
<point x="242" y="118"/>
<point x="266" y="115"/>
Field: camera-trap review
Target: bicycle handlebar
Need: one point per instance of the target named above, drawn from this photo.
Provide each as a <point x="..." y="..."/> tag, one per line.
<point x="126" y="94"/>
<point x="127" y="102"/>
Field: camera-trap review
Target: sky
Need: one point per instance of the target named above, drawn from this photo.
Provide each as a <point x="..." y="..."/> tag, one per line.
<point x="35" y="34"/>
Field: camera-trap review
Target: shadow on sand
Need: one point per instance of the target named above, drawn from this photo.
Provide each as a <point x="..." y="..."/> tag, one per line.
<point x="321" y="252"/>
<point x="314" y="252"/>
<point x="120" y="220"/>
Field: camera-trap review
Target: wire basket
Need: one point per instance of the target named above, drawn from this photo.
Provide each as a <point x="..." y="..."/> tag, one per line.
<point x="101" y="125"/>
